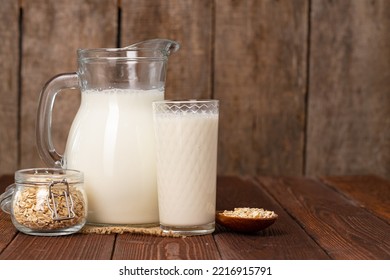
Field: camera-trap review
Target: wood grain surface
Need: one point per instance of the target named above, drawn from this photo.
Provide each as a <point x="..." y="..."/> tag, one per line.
<point x="339" y="225"/>
<point x="303" y="85"/>
<point x="80" y="247"/>
<point x="7" y="230"/>
<point x="260" y="78"/>
<point x="52" y="32"/>
<point x="141" y="247"/>
<point x="349" y="101"/>
<point x="188" y="22"/>
<point x="371" y="192"/>
<point x="9" y="88"/>
<point x="280" y="241"/>
<point x="316" y="221"/>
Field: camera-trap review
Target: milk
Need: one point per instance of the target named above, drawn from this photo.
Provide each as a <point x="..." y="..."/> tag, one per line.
<point x="186" y="158"/>
<point x="112" y="141"/>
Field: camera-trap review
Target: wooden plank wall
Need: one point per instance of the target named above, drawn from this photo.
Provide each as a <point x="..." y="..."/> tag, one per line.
<point x="349" y="93"/>
<point x="304" y="85"/>
<point x="9" y="88"/>
<point x="52" y="32"/>
<point x="260" y="76"/>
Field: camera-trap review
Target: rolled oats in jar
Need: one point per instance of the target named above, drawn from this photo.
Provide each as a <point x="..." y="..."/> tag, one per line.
<point x="46" y="201"/>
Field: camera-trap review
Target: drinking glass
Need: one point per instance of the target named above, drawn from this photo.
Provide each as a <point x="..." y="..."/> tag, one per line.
<point x="186" y="147"/>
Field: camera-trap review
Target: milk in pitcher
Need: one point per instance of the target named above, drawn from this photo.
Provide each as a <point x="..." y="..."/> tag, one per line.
<point x="111" y="140"/>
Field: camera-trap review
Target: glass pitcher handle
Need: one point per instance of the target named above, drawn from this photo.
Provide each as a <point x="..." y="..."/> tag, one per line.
<point x="45" y="145"/>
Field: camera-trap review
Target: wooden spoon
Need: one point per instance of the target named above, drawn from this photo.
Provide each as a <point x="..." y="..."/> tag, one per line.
<point x="244" y="224"/>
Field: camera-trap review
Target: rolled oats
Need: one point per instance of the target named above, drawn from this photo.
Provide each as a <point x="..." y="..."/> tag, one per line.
<point x="31" y="208"/>
<point x="247" y="212"/>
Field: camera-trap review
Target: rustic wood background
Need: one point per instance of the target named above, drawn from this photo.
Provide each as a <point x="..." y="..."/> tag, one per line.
<point x="304" y="85"/>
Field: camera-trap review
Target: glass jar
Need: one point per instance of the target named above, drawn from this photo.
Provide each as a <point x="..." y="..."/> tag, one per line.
<point x="46" y="201"/>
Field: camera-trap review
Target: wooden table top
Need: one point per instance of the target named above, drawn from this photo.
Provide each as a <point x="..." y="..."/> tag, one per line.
<point x="319" y="218"/>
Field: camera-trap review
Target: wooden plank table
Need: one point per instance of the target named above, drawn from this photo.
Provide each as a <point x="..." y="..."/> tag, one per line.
<point x="319" y="218"/>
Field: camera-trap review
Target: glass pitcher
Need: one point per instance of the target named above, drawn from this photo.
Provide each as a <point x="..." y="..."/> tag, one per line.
<point x="111" y="139"/>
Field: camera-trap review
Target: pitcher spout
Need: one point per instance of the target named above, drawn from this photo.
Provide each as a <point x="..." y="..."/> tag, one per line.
<point x="166" y="46"/>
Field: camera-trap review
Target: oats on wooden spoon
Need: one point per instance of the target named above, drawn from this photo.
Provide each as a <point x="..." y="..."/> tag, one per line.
<point x="246" y="219"/>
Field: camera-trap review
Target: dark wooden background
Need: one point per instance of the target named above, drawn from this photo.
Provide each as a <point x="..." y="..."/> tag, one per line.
<point x="304" y="85"/>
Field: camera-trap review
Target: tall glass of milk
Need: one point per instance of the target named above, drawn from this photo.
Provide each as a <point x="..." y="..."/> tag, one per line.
<point x="186" y="143"/>
<point x="111" y="139"/>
